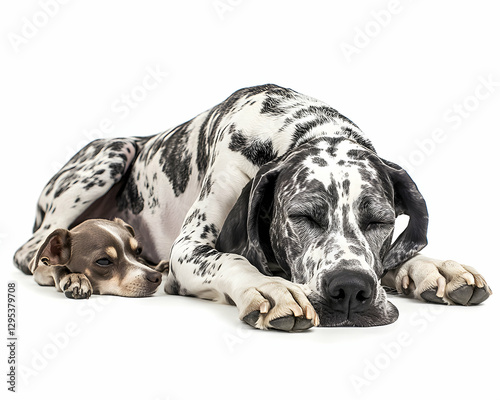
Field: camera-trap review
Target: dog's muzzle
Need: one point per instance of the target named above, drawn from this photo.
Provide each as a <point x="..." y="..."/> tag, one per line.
<point x="352" y="298"/>
<point x="349" y="292"/>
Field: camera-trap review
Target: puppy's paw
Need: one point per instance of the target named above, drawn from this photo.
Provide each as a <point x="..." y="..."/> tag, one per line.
<point x="76" y="286"/>
<point x="278" y="304"/>
<point x="163" y="266"/>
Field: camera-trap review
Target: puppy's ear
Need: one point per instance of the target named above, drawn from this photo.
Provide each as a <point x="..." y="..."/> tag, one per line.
<point x="56" y="250"/>
<point x="408" y="201"/>
<point x="246" y="229"/>
<point x="125" y="225"/>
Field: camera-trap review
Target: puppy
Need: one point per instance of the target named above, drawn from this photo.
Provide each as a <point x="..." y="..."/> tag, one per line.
<point x="97" y="256"/>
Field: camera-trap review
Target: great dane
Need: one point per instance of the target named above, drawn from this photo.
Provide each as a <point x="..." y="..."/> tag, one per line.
<point x="272" y="201"/>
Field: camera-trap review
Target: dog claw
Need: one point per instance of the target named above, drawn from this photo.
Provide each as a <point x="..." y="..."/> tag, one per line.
<point x="441" y="283"/>
<point x="264" y="307"/>
<point x="309" y="312"/>
<point x="405" y="282"/>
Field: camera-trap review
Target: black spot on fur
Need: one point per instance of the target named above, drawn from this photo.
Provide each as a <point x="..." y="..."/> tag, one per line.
<point x="210" y="230"/>
<point x="209" y="129"/>
<point x="130" y="198"/>
<point x="346" y="186"/>
<point x="257" y="152"/>
<point x="302" y="128"/>
<point x="272" y="106"/>
<point x="207" y="187"/>
<point x="319" y="161"/>
<point x="202" y="153"/>
<point x="115" y="169"/>
<point x="116" y="146"/>
<point x="356" y="154"/>
<point x="176" y="159"/>
<point x="199" y="257"/>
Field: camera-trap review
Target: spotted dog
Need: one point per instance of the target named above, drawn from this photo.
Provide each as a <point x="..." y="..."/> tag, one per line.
<point x="272" y="201"/>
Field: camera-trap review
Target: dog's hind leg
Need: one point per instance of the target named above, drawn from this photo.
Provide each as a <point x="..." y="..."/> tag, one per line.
<point x="86" y="178"/>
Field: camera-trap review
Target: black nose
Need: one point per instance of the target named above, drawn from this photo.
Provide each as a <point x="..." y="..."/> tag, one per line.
<point x="153" y="276"/>
<point x="349" y="291"/>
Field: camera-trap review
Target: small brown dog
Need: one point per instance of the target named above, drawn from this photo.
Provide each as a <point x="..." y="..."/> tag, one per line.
<point x="97" y="256"/>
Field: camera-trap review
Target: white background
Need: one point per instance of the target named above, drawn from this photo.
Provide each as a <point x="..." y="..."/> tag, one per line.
<point x="402" y="85"/>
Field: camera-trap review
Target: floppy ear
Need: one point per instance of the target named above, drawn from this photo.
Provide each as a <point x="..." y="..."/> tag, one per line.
<point x="56" y="250"/>
<point x="125" y="225"/>
<point x="409" y="201"/>
<point x="246" y="229"/>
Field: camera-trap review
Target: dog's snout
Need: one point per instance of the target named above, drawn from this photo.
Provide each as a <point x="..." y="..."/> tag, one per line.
<point x="153" y="276"/>
<point x="349" y="291"/>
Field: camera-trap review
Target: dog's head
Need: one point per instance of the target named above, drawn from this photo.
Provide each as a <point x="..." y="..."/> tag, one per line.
<point x="107" y="253"/>
<point x="323" y="215"/>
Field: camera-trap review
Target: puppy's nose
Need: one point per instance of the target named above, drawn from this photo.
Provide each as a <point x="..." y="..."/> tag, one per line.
<point x="153" y="276"/>
<point x="349" y="291"/>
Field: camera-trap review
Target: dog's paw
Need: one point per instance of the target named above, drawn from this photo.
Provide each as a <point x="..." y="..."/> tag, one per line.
<point x="76" y="286"/>
<point x="162" y="266"/>
<point x="445" y="282"/>
<point x="278" y="304"/>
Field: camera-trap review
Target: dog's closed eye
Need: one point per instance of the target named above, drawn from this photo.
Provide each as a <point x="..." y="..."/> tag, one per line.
<point x="104" y="262"/>
<point x="304" y="218"/>
<point x="379" y="225"/>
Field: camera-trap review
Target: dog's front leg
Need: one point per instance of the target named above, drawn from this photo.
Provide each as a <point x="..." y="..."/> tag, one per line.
<point x="75" y="286"/>
<point x="263" y="301"/>
<point x="198" y="269"/>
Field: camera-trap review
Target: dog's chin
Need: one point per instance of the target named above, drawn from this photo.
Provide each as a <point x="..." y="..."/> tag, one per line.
<point x="382" y="314"/>
<point x="147" y="291"/>
<point x="128" y="291"/>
